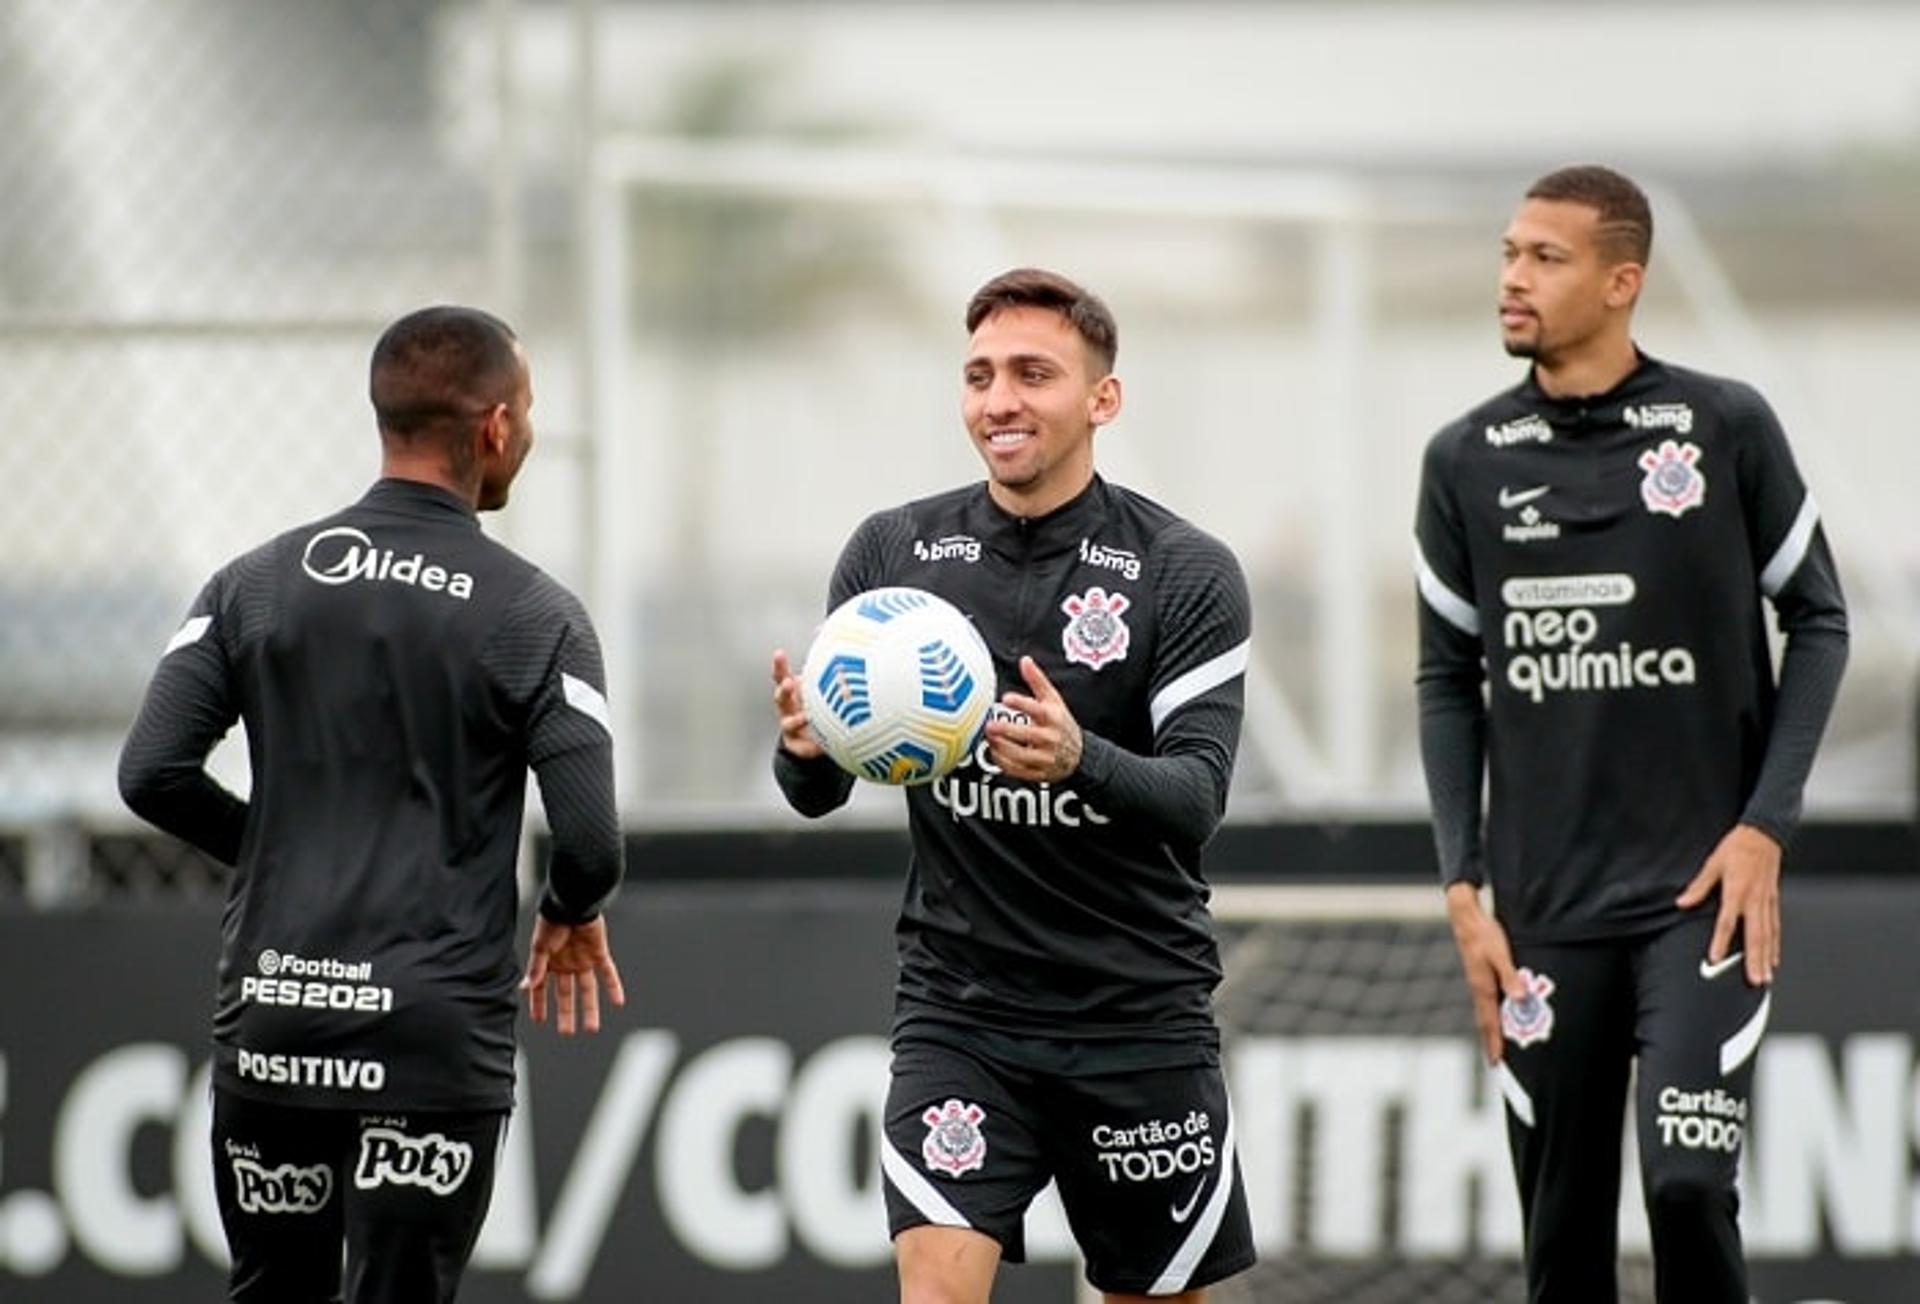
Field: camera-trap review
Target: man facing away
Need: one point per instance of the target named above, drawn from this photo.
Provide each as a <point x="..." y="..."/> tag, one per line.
<point x="1053" y="1016"/>
<point x="1594" y="547"/>
<point x="397" y="672"/>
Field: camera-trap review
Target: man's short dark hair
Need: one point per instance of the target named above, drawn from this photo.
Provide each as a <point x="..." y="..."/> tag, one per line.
<point x="1032" y="287"/>
<point x="1625" y="233"/>
<point x="437" y="366"/>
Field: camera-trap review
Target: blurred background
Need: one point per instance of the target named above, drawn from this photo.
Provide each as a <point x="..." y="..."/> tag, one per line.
<point x="737" y="239"/>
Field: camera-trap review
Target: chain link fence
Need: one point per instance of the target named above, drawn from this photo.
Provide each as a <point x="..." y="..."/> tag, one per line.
<point x="214" y="205"/>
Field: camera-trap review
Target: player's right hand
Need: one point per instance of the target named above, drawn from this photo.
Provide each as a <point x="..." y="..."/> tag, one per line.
<point x="576" y="961"/>
<point x="795" y="735"/>
<point x="1487" y="958"/>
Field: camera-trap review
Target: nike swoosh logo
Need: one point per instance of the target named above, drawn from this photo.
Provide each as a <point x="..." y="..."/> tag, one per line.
<point x="1185" y="1211"/>
<point x="1712" y="971"/>
<point x="1510" y="499"/>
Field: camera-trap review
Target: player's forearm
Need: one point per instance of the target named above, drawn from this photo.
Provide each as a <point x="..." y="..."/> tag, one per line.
<point x="813" y="786"/>
<point x="179" y="797"/>
<point x="576" y="787"/>
<point x="1178" y="796"/>
<point x="1810" y="672"/>
<point x="1453" y="754"/>
<point x="162" y="770"/>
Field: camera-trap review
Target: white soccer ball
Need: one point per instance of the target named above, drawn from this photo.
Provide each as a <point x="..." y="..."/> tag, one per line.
<point x="897" y="685"/>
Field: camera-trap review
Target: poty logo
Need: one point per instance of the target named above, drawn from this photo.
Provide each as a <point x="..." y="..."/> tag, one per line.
<point x="1113" y="559"/>
<point x="286" y="1189"/>
<point x="951" y="547"/>
<point x="1529" y="429"/>
<point x="391" y="1157"/>
<point x="343" y="554"/>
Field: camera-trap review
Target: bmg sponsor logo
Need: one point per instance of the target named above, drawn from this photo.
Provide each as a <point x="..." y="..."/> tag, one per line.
<point x="1553" y="628"/>
<point x="1114" y="559"/>
<point x="951" y="547"/>
<point x="389" y="1157"/>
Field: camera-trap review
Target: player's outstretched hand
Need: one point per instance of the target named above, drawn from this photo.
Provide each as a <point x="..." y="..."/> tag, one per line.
<point x="1746" y="868"/>
<point x="1488" y="961"/>
<point x="576" y="960"/>
<point x="1046" y="747"/>
<point x="795" y="735"/>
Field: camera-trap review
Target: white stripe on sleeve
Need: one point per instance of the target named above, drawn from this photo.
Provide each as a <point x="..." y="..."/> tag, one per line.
<point x="1447" y="604"/>
<point x="1205" y="677"/>
<point x="1792" y="551"/>
<point x="191" y="632"/>
<point x="587" y="700"/>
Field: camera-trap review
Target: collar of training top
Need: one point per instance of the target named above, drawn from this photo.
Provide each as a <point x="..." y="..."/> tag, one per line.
<point x="1064" y="526"/>
<point x="1648" y="373"/>
<point x="414" y="495"/>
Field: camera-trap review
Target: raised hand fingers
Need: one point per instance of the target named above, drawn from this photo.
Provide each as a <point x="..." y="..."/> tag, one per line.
<point x="1486" y="1013"/>
<point x="535" y="986"/>
<point x="1759" y="924"/>
<point x="589" y="1001"/>
<point x="610" y="975"/>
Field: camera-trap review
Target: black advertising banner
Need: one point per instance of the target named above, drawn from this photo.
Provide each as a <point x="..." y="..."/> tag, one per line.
<point x="715" y="1143"/>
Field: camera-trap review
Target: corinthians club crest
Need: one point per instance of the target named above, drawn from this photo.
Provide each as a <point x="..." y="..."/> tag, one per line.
<point x="955" y="1143"/>
<point x="1530" y="1018"/>
<point x="1095" y="634"/>
<point x="1673" y="482"/>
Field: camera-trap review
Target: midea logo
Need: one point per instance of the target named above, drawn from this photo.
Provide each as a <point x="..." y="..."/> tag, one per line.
<point x="343" y="554"/>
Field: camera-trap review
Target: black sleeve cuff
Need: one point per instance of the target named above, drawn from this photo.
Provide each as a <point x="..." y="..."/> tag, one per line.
<point x="554" y="912"/>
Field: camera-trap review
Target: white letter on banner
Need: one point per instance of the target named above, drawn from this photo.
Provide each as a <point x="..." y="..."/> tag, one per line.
<point x="693" y="1154"/>
<point x="92" y="1140"/>
<point x="1821" y="1147"/>
<point x="833" y="1114"/>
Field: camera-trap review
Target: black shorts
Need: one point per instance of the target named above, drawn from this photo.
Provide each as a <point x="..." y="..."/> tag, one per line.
<point x="1144" y="1161"/>
<point x="404" y="1193"/>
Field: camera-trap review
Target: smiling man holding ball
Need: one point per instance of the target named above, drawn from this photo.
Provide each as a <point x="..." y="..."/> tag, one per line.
<point x="1053" y="1017"/>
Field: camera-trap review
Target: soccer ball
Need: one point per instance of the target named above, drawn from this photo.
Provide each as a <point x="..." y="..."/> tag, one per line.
<point x="897" y="684"/>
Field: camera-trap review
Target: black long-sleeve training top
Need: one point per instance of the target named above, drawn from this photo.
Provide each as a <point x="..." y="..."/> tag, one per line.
<point x="397" y="672"/>
<point x="1591" y="576"/>
<point x="1040" y="914"/>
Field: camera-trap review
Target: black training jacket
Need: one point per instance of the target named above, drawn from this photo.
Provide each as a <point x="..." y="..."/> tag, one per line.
<point x="1075" y="912"/>
<point x="1596" y="566"/>
<point x="397" y="672"/>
